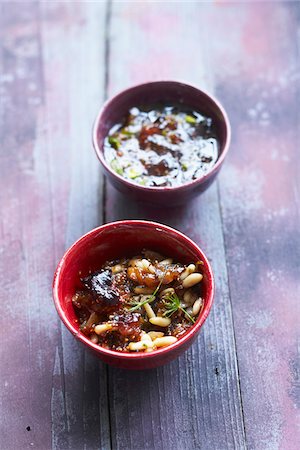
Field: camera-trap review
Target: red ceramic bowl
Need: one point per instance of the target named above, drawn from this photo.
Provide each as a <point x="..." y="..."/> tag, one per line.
<point x="115" y="240"/>
<point x="166" y="92"/>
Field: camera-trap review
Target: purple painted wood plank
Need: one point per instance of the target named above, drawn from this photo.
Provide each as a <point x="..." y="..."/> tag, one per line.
<point x="79" y="82"/>
<point x="260" y="204"/>
<point x="52" y="77"/>
<point x="50" y="197"/>
<point x="24" y="285"/>
<point x="194" y="402"/>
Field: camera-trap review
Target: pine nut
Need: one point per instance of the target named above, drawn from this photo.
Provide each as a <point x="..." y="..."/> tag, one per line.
<point x="147" y="339"/>
<point x="189" y="310"/>
<point x="145" y="263"/>
<point x="168" y="291"/>
<point x="99" y="329"/>
<point x="149" y="311"/>
<point x="117" y="268"/>
<point x="189" y="297"/>
<point x="139" y="264"/>
<point x="184" y="274"/>
<point x="197" y="306"/>
<point x="155" y="334"/>
<point x="143" y="344"/>
<point x="142" y="290"/>
<point x="164" y="341"/>
<point x="192" y="279"/>
<point x="160" y="321"/>
<point x="134" y="346"/>
<point x="152" y="269"/>
<point x="190" y="269"/>
<point x="94" y="338"/>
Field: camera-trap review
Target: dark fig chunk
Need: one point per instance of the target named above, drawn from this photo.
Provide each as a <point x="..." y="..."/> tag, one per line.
<point x="100" y="285"/>
<point x="128" y="324"/>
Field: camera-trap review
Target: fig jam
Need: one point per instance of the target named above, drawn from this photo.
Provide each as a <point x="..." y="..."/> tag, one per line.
<point x="140" y="303"/>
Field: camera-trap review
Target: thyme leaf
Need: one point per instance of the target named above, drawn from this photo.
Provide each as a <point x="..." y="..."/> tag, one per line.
<point x="150" y="299"/>
<point x="173" y="305"/>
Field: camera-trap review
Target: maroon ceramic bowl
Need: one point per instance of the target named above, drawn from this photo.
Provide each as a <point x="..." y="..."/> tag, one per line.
<point x="167" y="92"/>
<point x="115" y="240"/>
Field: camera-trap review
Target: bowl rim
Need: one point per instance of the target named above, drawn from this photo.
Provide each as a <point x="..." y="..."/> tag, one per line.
<point x="190" y="184"/>
<point x="123" y="355"/>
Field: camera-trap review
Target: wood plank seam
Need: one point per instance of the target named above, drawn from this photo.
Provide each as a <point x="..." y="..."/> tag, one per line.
<point x="108" y="12"/>
<point x="231" y="313"/>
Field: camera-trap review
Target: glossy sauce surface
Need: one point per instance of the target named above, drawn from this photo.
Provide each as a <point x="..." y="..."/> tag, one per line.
<point x="129" y="303"/>
<point x="164" y="146"/>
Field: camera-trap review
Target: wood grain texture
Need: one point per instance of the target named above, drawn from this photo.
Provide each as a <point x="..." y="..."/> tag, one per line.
<point x="238" y="386"/>
<point x="81" y="28"/>
<point x="260" y="85"/>
<point x="50" y="97"/>
<point x="194" y="402"/>
<point x="20" y="70"/>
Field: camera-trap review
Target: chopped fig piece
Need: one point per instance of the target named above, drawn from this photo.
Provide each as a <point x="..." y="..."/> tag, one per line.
<point x="128" y="324"/>
<point x="100" y="284"/>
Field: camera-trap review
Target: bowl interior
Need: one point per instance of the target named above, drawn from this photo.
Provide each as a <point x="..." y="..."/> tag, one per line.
<point x="115" y="241"/>
<point x="166" y="92"/>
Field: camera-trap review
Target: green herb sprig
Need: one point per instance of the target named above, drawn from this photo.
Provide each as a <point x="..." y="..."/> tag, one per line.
<point x="173" y="305"/>
<point x="138" y="305"/>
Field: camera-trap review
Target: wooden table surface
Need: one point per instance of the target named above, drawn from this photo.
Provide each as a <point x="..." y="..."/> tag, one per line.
<point x="238" y="386"/>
